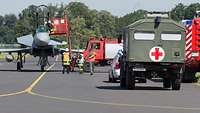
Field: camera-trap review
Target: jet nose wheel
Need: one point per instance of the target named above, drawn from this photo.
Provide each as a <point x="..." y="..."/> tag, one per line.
<point x="42" y="68"/>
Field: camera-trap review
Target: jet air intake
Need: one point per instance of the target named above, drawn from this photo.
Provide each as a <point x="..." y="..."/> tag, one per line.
<point x="42" y="39"/>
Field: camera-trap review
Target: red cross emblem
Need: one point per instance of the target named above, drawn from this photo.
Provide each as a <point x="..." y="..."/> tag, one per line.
<point x="156" y="54"/>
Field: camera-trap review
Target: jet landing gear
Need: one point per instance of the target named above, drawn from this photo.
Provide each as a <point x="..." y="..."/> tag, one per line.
<point x="19" y="62"/>
<point x="43" y="61"/>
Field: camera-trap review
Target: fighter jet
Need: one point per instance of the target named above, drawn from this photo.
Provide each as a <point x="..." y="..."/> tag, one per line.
<point x="37" y="44"/>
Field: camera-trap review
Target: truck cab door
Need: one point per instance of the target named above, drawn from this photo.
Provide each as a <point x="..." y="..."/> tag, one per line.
<point x="97" y="47"/>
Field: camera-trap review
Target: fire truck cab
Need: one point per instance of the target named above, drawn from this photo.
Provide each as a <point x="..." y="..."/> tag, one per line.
<point x="105" y="48"/>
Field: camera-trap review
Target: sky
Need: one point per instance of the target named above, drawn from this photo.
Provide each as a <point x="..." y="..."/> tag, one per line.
<point x="116" y="7"/>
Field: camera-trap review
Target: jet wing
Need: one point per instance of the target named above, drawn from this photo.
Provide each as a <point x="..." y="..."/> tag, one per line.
<point x="16" y="50"/>
<point x="61" y="50"/>
<point x="26" y="40"/>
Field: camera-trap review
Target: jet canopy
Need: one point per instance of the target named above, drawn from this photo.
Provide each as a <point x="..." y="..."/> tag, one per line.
<point x="41" y="28"/>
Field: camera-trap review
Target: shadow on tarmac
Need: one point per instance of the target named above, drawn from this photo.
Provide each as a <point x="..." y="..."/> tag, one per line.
<point x="136" y="88"/>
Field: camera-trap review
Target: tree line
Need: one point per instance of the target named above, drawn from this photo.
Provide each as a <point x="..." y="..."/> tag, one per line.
<point x="84" y="22"/>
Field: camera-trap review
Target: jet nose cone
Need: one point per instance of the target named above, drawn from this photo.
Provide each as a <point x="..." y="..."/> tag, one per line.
<point x="42" y="39"/>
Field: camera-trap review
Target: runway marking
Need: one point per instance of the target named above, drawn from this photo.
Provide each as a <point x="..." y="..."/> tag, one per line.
<point x="12" y="94"/>
<point x="29" y="89"/>
<point x="114" y="104"/>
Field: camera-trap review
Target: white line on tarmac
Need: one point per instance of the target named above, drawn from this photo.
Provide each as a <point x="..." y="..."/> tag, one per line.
<point x="35" y="82"/>
<point x="115" y="104"/>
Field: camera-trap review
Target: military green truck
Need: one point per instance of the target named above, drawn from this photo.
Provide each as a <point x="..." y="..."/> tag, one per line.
<point x="154" y="44"/>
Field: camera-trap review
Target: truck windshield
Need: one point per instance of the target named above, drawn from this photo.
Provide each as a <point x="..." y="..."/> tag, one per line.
<point x="95" y="46"/>
<point x="144" y="36"/>
<point x="171" y="36"/>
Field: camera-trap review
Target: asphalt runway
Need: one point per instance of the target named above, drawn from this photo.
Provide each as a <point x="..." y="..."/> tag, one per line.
<point x="32" y="91"/>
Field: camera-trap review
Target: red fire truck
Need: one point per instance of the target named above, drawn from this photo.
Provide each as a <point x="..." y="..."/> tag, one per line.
<point x="105" y="47"/>
<point x="192" y="52"/>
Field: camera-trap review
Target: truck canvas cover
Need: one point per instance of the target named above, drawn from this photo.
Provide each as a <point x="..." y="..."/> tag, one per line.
<point x="151" y="41"/>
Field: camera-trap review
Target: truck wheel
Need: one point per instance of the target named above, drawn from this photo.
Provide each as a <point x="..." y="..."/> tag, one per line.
<point x="176" y="82"/>
<point x="166" y="83"/>
<point x="122" y="81"/>
<point x="130" y="80"/>
<point x="176" y="85"/>
<point x="109" y="62"/>
<point x="122" y="76"/>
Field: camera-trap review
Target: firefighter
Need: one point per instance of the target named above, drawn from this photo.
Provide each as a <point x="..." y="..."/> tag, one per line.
<point x="91" y="59"/>
<point x="80" y="62"/>
<point x="66" y="62"/>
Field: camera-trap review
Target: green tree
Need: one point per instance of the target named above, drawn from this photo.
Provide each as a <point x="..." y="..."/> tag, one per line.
<point x="78" y="30"/>
<point x="10" y="20"/>
<point x="106" y="23"/>
<point x="178" y="13"/>
<point x="77" y="9"/>
<point x="190" y="11"/>
<point x="1" y="20"/>
<point x="130" y="18"/>
<point x="7" y="35"/>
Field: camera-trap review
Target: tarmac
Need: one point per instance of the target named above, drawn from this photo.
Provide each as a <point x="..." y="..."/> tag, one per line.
<point x="32" y="91"/>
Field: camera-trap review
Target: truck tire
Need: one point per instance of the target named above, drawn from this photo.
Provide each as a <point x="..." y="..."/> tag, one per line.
<point x="176" y="82"/>
<point x="122" y="76"/>
<point x="122" y="81"/>
<point x="176" y="85"/>
<point x="166" y="83"/>
<point x="130" y="79"/>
